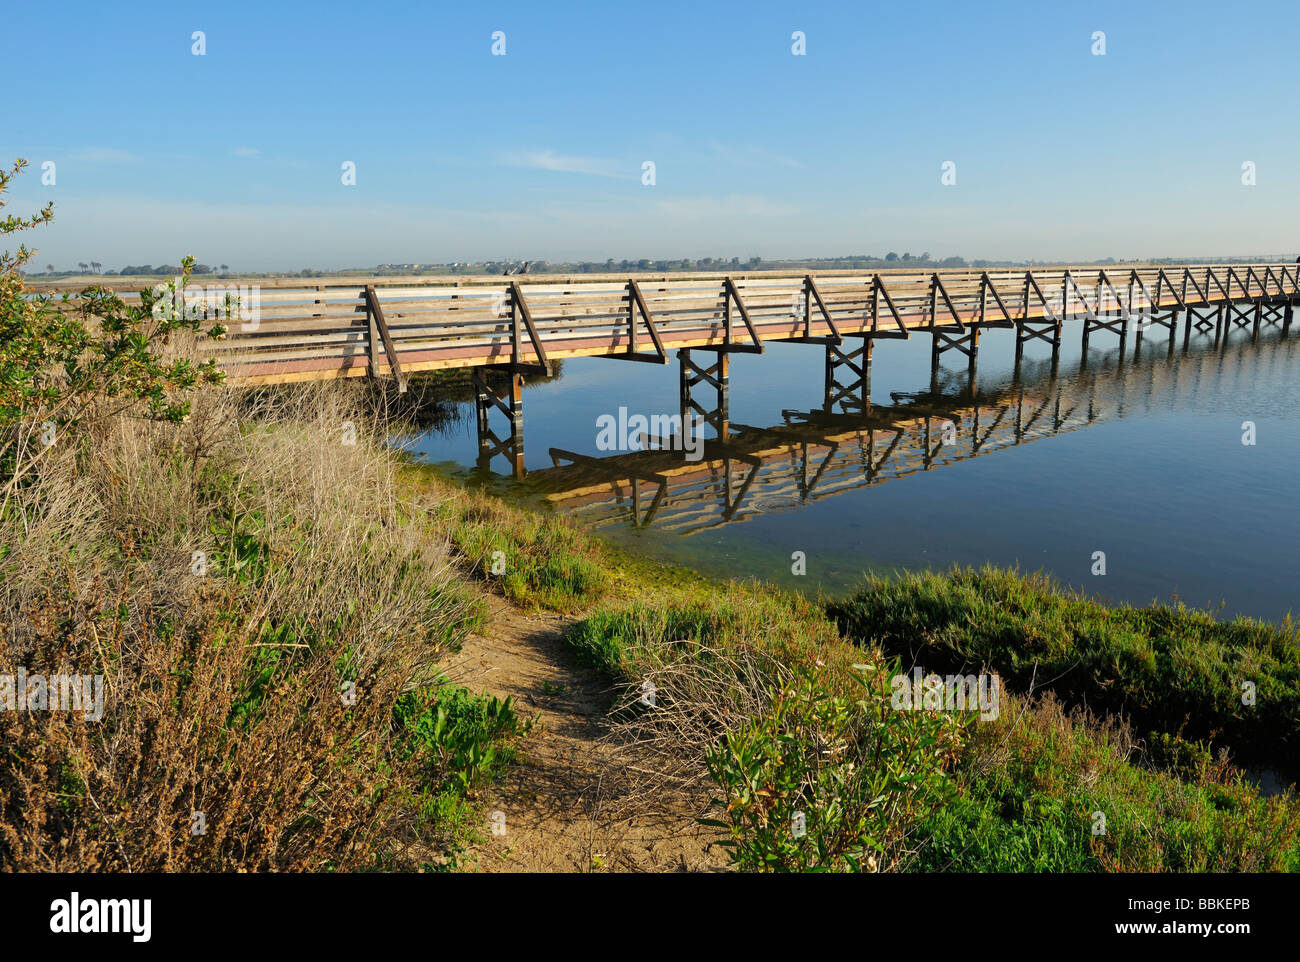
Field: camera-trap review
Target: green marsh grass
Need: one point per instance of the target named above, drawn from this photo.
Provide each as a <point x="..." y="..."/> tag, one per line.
<point x="1170" y="670"/>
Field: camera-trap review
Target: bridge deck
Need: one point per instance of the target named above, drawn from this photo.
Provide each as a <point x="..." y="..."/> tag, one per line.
<point x="298" y="330"/>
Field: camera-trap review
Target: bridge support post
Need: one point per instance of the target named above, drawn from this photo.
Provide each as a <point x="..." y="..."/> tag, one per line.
<point x="1275" y="313"/>
<point x="967" y="341"/>
<point x="718" y="376"/>
<point x="509" y="399"/>
<point x="1116" y="324"/>
<point x="1050" y="332"/>
<point x="852" y="394"/>
<point x="1286" y="318"/>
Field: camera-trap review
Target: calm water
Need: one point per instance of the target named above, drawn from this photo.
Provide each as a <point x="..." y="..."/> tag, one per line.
<point x="1140" y="457"/>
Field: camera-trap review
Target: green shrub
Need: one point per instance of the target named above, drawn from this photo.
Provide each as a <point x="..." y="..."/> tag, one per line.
<point x="65" y="369"/>
<point x="1032" y="785"/>
<point x="823" y="781"/>
<point x="754" y="691"/>
<point x="1168" y="669"/>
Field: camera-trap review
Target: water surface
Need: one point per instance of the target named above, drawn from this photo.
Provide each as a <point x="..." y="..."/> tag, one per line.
<point x="1138" y="455"/>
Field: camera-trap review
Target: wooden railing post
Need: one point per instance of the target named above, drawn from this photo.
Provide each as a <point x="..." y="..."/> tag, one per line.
<point x="519" y="311"/>
<point x="372" y="340"/>
<point x="631" y="317"/>
<point x="376" y="312"/>
<point x="731" y="291"/>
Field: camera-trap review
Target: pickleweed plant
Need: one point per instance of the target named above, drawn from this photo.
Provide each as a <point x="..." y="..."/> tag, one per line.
<point x="830" y="778"/>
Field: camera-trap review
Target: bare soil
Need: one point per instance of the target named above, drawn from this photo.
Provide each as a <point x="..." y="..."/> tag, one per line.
<point x="569" y="806"/>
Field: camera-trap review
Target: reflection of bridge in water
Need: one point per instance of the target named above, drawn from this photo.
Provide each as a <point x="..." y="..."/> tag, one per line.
<point x="850" y="443"/>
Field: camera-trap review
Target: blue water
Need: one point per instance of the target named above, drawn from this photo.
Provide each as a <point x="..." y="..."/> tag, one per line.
<point x="1148" y="467"/>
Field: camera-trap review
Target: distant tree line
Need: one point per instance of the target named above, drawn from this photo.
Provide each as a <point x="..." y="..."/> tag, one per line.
<point x="854" y="262"/>
<point x="143" y="269"/>
<point x="710" y="264"/>
<point x="132" y="270"/>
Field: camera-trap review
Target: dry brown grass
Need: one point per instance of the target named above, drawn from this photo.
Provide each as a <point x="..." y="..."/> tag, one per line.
<point x="222" y="688"/>
<point x="710" y="663"/>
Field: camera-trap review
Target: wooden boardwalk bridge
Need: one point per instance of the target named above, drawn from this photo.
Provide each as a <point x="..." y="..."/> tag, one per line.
<point x="505" y="328"/>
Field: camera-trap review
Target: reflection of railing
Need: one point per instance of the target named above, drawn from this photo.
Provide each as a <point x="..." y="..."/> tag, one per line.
<point x="812" y="457"/>
<point x="818" y="454"/>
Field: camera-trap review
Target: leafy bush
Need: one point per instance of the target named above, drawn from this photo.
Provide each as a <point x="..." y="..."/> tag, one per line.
<point x="751" y="692"/>
<point x="822" y="781"/>
<point x="67" y="367"/>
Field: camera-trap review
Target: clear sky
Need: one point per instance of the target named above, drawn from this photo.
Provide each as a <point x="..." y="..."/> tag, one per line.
<point x="236" y="155"/>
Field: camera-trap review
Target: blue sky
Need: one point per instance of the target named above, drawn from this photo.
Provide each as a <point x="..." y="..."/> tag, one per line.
<point x="236" y="155"/>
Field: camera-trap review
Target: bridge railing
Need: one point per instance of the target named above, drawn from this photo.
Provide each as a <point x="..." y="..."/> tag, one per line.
<point x="299" y="330"/>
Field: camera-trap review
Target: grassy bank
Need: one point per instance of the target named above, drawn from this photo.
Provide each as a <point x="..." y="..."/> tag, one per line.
<point x="767" y="683"/>
<point x="221" y="617"/>
<point x="738" y="690"/>
<point x="1042" y="789"/>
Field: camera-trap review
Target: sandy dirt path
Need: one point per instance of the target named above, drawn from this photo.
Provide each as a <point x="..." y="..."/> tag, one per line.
<point x="567" y="806"/>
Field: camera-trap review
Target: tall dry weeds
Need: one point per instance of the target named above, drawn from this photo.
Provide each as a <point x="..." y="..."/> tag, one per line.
<point x="228" y="577"/>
